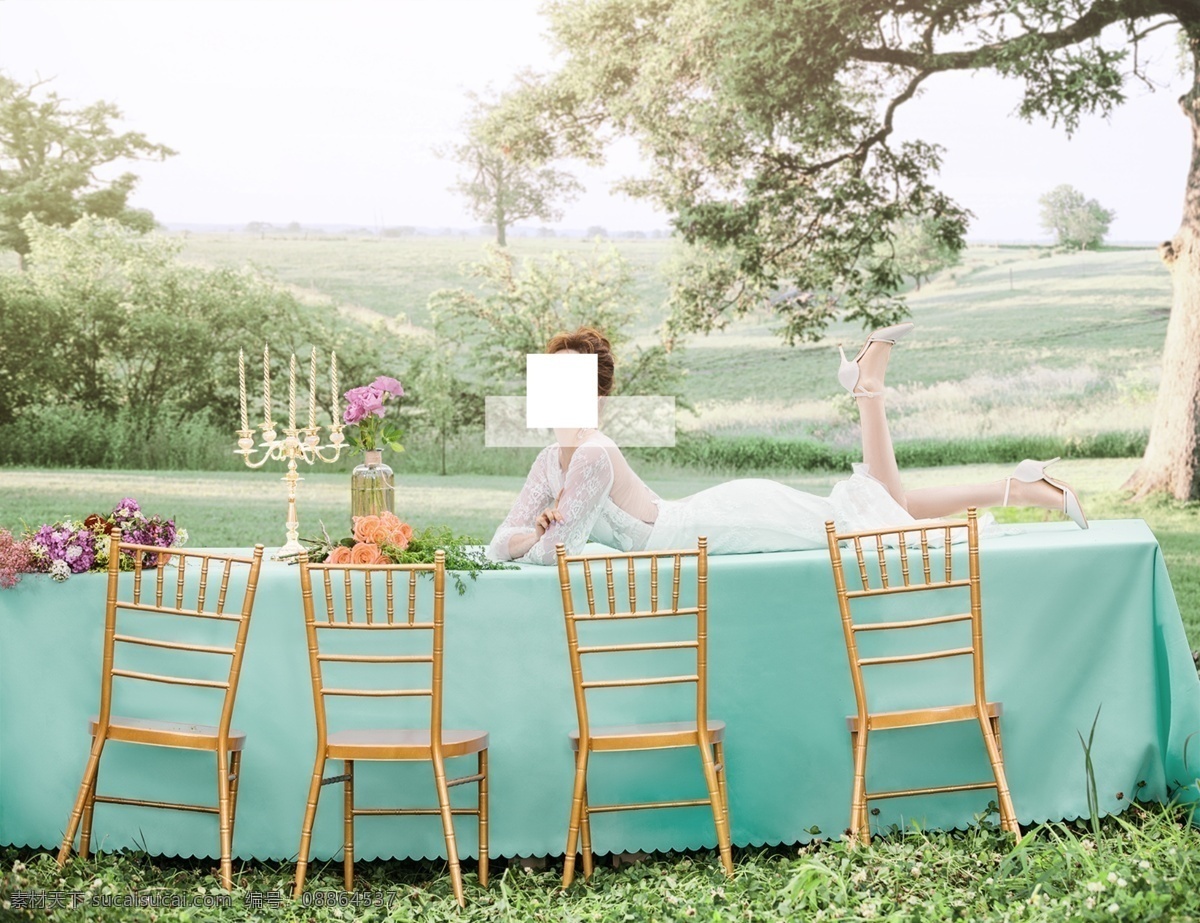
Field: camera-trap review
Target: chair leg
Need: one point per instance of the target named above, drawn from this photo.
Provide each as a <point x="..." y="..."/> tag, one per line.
<point x="235" y="769"/>
<point x="722" y="774"/>
<point x="89" y="780"/>
<point x="348" y="825"/>
<point x="443" y="793"/>
<point x="585" y="832"/>
<point x="714" y="797"/>
<point x="860" y="826"/>
<point x="224" y="813"/>
<point x="310" y="814"/>
<point x="483" y="818"/>
<point x="581" y="761"/>
<point x="991" y="740"/>
<point x="85" y="835"/>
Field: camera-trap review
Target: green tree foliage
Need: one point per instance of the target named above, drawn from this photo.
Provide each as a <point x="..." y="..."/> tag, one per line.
<point x="50" y="158"/>
<point x="501" y="189"/>
<point x="921" y="248"/>
<point x="769" y="127"/>
<point x="1076" y="222"/>
<point x="437" y="400"/>
<point x="520" y="305"/>
<point x="109" y="321"/>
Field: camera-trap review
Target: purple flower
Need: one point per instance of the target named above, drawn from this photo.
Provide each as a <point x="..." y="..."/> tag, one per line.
<point x="373" y="403"/>
<point x="66" y="542"/>
<point x="127" y="507"/>
<point x="358" y="395"/>
<point x="390" y="385"/>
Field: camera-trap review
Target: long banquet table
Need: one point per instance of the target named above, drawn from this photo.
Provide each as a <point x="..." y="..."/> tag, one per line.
<point x="1081" y="630"/>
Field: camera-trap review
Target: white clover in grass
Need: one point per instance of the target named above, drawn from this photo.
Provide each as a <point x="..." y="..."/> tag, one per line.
<point x="1144" y="865"/>
<point x="1114" y="907"/>
<point x="1095" y="886"/>
<point x="1112" y="877"/>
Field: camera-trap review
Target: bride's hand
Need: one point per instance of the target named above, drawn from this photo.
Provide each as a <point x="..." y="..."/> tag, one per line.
<point x="547" y="516"/>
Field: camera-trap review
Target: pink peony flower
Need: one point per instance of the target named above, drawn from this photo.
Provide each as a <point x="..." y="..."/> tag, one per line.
<point x="390" y="385"/>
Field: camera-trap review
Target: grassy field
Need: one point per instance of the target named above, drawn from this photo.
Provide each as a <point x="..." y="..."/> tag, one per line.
<point x="393" y="277"/>
<point x="1012" y="340"/>
<point x="1138" y="867"/>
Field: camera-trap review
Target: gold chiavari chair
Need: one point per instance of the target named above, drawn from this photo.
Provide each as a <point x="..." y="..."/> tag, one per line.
<point x="183" y="601"/>
<point x="920" y="540"/>
<point x="357" y="585"/>
<point x="700" y="731"/>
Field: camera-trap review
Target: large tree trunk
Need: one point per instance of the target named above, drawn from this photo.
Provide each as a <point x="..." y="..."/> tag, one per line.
<point x="1172" y="460"/>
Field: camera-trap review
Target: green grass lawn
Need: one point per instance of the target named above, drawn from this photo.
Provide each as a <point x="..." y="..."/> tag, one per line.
<point x="1141" y="866"/>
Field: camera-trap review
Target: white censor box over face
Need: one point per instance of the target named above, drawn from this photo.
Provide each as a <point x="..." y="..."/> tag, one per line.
<point x="562" y="393"/>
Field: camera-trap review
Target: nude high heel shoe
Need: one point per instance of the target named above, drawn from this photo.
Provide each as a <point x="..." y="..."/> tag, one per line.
<point x="1030" y="471"/>
<point x="848" y="370"/>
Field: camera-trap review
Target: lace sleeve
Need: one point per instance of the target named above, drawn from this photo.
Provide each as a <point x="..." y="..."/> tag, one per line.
<point x="588" y="483"/>
<point x="535" y="496"/>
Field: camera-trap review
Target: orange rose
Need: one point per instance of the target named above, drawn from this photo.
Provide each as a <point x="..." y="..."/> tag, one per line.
<point x="401" y="536"/>
<point x="339" y="555"/>
<point x="365" y="528"/>
<point x="366" y="553"/>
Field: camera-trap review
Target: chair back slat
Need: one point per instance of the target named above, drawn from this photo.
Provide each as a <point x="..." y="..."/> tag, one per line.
<point x="179" y="587"/>
<point x="189" y="603"/>
<point x="589" y="660"/>
<point x="202" y="590"/>
<point x="223" y="591"/>
<point x="591" y="590"/>
<point x="862" y="563"/>
<point x="842" y="545"/>
<point x="358" y="623"/>
<point x="882" y="558"/>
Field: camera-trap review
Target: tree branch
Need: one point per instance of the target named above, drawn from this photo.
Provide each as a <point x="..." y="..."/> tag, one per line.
<point x="1099" y="17"/>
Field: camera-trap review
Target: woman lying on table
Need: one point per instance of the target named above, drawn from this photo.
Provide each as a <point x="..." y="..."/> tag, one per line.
<point x="582" y="489"/>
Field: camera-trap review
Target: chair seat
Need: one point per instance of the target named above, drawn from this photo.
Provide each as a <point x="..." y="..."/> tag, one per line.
<point x="916" y="717"/>
<point x="401" y="744"/>
<point x="166" y="733"/>
<point x="651" y="736"/>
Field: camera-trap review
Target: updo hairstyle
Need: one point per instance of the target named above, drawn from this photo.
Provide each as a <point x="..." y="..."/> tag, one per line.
<point x="589" y="341"/>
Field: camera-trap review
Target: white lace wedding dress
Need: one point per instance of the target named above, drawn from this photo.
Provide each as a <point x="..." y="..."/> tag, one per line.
<point x="602" y="500"/>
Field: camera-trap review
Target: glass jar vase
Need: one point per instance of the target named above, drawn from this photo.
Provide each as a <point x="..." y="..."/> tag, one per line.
<point x="372" y="490"/>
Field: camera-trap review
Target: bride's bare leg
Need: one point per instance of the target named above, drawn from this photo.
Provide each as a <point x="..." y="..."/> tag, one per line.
<point x="928" y="502"/>
<point x="935" y="502"/>
<point x="878" y="453"/>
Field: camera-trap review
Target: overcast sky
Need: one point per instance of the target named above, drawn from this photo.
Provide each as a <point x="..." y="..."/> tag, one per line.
<point x="327" y="112"/>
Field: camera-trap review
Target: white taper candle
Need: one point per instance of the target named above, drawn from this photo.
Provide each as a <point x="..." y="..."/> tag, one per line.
<point x="266" y="387"/>
<point x="242" y="389"/>
<point x="312" y="390"/>
<point x="292" y="393"/>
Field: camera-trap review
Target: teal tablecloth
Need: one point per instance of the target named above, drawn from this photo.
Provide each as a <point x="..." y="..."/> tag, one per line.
<point x="1077" y="624"/>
